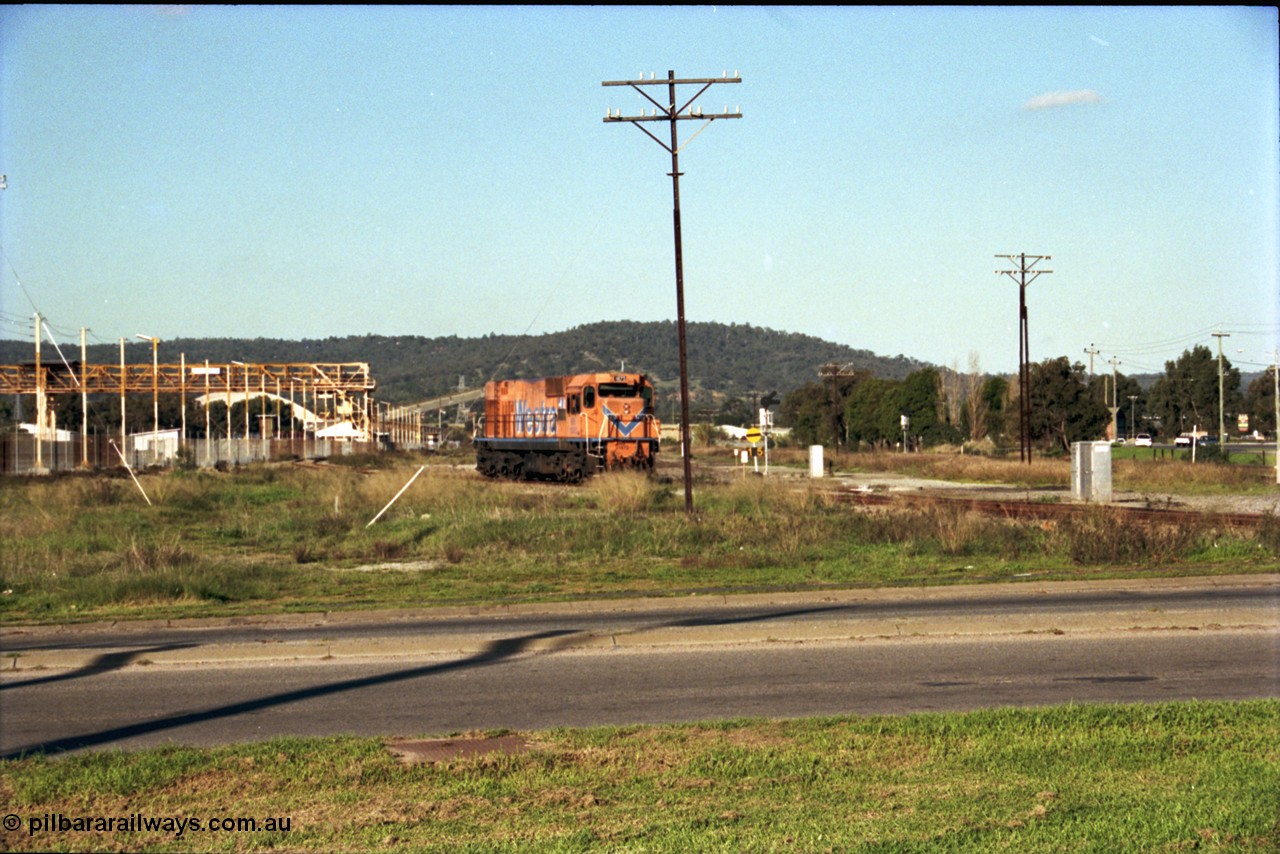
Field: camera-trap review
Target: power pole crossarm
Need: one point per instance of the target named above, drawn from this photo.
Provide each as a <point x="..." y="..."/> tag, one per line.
<point x="1091" y="351"/>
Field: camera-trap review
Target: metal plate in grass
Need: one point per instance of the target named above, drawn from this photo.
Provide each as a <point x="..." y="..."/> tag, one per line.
<point x="445" y="749"/>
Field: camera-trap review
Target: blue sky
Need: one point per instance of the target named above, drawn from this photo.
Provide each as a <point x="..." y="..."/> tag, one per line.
<point x="324" y="171"/>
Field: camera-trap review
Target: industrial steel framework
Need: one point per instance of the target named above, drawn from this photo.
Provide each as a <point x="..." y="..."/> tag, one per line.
<point x="236" y="377"/>
<point x="346" y="384"/>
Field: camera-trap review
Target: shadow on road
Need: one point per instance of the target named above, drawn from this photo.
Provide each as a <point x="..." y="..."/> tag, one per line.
<point x="495" y="652"/>
<point x="759" y="617"/>
<point x="106" y="661"/>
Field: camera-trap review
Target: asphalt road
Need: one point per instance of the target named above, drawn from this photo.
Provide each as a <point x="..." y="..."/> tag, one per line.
<point x="651" y="661"/>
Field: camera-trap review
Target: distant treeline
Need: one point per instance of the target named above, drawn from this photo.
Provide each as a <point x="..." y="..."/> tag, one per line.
<point x="725" y="360"/>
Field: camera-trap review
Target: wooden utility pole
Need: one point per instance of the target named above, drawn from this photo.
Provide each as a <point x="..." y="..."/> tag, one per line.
<point x="1092" y="351"/>
<point x="834" y="372"/>
<point x="672" y="112"/>
<point x="1222" y="437"/>
<point x="1024" y="276"/>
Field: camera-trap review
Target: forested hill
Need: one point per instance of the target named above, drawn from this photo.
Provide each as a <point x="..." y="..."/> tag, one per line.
<point x="729" y="359"/>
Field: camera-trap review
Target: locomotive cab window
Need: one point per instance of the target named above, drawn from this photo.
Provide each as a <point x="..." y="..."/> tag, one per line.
<point x="589" y="397"/>
<point x="618" y="390"/>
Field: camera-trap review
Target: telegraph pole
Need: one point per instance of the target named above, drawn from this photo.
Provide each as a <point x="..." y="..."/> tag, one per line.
<point x="673" y="112"/>
<point x="1024" y="275"/>
<point x="1222" y="438"/>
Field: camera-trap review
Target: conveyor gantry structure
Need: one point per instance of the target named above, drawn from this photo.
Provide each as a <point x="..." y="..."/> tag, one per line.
<point x="190" y="377"/>
<point x="346" y="384"/>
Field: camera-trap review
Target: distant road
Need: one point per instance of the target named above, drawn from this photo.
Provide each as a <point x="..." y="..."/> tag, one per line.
<point x="774" y="655"/>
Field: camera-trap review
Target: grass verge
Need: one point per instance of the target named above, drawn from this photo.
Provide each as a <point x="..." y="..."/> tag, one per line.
<point x="1165" y="777"/>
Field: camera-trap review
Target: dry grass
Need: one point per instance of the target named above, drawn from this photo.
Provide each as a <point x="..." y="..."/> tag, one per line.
<point x="961" y="467"/>
<point x="1179" y="476"/>
<point x="628" y="492"/>
<point x="1102" y="536"/>
<point x="257" y="539"/>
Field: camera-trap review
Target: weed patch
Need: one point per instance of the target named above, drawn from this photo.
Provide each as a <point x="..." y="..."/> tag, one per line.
<point x="1102" y="536"/>
<point x="227" y="544"/>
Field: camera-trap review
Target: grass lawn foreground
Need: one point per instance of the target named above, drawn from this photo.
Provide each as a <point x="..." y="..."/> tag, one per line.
<point x="1164" y="777"/>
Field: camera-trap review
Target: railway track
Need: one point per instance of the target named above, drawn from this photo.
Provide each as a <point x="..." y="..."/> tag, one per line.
<point x="1048" y="511"/>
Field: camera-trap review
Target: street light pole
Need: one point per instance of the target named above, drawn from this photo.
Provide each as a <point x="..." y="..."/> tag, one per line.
<point x="84" y="404"/>
<point x="155" y="391"/>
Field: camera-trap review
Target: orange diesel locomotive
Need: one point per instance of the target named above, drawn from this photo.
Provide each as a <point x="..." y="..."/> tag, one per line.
<point x="565" y="428"/>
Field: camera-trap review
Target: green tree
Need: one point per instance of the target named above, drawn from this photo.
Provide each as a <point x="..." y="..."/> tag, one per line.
<point x="864" y="411"/>
<point x="995" y="400"/>
<point x="922" y="402"/>
<point x="737" y="411"/>
<point x="1130" y="415"/>
<point x="1126" y="411"/>
<point x="1062" y="409"/>
<point x="807" y="410"/>
<point x="1260" y="402"/>
<point x="705" y="433"/>
<point x="1187" y="395"/>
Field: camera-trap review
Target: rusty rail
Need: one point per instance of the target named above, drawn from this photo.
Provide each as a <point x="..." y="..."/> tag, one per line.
<point x="1048" y="511"/>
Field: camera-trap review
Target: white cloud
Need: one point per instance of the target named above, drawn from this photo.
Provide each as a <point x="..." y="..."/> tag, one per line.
<point x="1062" y="99"/>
